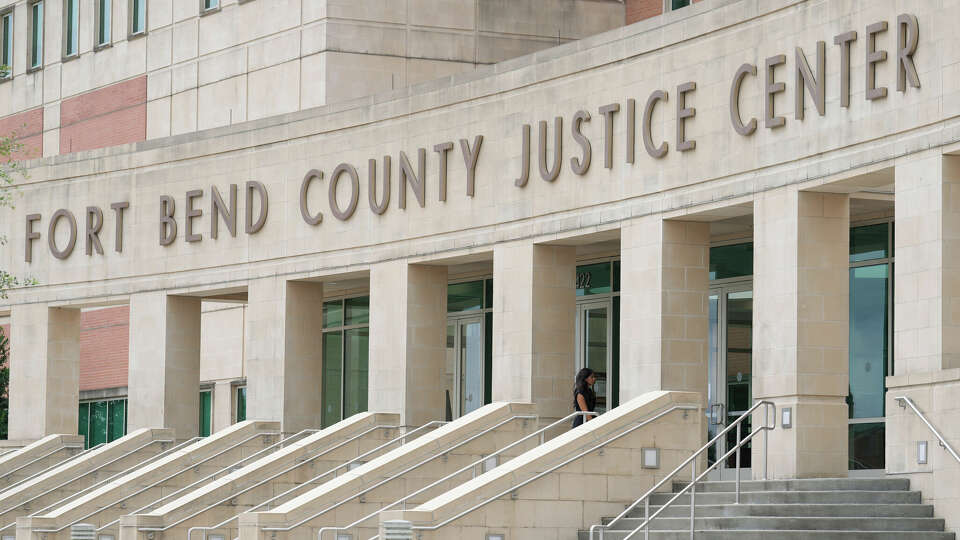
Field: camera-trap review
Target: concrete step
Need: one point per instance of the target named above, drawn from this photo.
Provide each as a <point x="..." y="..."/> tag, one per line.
<point x="777" y="535"/>
<point x="795" y="497"/>
<point x="776" y="523"/>
<point x="811" y="484"/>
<point x="794" y="510"/>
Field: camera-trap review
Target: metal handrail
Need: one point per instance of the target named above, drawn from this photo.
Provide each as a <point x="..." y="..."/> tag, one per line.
<point x="45" y="456"/>
<point x="94" y="486"/>
<point x="158" y="482"/>
<point x="232" y="467"/>
<point x="402" y="438"/>
<point x="560" y="465"/>
<point x="50" y="468"/>
<point x="253" y="486"/>
<point x="465" y="468"/>
<point x="397" y="475"/>
<point x="645" y="525"/>
<point x="903" y="401"/>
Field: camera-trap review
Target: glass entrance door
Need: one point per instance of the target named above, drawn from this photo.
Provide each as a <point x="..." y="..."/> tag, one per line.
<point x="465" y="356"/>
<point x="730" y="390"/>
<point x="593" y="346"/>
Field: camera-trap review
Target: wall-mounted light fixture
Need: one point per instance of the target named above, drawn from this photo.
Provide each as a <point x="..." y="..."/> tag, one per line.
<point x="786" y="418"/>
<point x="651" y="458"/>
<point x="921" y="452"/>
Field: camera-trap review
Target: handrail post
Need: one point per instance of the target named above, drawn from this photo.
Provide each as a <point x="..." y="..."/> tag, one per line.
<point x="693" y="496"/>
<point x="766" y="433"/>
<point x="646" y="520"/>
<point x="739" y="444"/>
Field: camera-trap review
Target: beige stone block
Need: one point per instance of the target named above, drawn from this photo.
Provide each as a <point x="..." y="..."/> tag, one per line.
<point x="44" y="381"/>
<point x="164" y="380"/>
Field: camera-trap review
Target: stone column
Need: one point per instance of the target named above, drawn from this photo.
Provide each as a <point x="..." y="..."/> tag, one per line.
<point x="801" y="328"/>
<point x="164" y="379"/>
<point x="284" y="352"/>
<point x="927" y="273"/>
<point x="222" y="405"/>
<point x="408" y="332"/>
<point x="44" y="371"/>
<point x="926" y="328"/>
<point x="534" y="315"/>
<point x="664" y="295"/>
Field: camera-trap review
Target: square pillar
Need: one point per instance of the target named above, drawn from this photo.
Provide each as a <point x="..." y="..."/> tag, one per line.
<point x="664" y="295"/>
<point x="534" y="313"/>
<point x="927" y="272"/>
<point x="164" y="379"/>
<point x="801" y="328"/>
<point x="284" y="349"/>
<point x="44" y="371"/>
<point x="408" y="340"/>
<point x="222" y="405"/>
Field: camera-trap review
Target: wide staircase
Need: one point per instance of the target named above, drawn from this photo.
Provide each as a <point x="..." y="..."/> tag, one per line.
<point x="815" y="509"/>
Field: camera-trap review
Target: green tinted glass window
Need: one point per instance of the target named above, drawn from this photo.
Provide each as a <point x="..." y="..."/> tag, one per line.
<point x="593" y="279"/>
<point x="731" y="261"/>
<point x="488" y="294"/>
<point x="868" y="340"/>
<point x="869" y="242"/>
<point x="357" y="341"/>
<point x="103" y="30"/>
<point x="332" y="377"/>
<point x="71" y="27"/>
<point x="677" y="4"/>
<point x="615" y="344"/>
<point x="357" y="311"/>
<point x="117" y="419"/>
<point x="464" y="296"/>
<point x="241" y="403"/>
<point x="206" y="412"/>
<point x="333" y="314"/>
<point x="36" y="36"/>
<point x="616" y="276"/>
<point x="6" y="53"/>
<point x="139" y="19"/>
<point x="867" y="446"/>
<point x="83" y="424"/>
<point x="98" y="423"/>
<point x="488" y="357"/>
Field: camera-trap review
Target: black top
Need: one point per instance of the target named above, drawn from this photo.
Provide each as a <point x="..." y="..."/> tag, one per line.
<point x="590" y="397"/>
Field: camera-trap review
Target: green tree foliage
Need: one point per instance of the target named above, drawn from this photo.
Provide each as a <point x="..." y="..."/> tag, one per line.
<point x="4" y="383"/>
<point x="10" y="171"/>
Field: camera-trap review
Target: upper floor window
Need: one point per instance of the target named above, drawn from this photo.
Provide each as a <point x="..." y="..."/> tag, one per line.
<point x="6" y="44"/>
<point x="71" y="27"/>
<point x="103" y="22"/>
<point x="36" y="35"/>
<point x="209" y="5"/>
<point x="677" y="4"/>
<point x="138" y="17"/>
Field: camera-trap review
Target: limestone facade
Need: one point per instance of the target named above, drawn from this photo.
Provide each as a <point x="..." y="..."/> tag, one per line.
<point x="622" y="144"/>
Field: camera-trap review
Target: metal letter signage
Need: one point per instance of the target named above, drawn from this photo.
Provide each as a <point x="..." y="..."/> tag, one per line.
<point x="807" y="80"/>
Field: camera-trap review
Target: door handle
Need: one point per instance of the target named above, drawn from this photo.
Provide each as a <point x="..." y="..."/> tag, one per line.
<point x="717" y="414"/>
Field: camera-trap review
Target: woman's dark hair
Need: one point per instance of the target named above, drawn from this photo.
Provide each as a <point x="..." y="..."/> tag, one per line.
<point x="581" y="384"/>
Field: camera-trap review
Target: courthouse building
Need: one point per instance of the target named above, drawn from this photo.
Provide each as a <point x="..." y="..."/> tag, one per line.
<point x="297" y="211"/>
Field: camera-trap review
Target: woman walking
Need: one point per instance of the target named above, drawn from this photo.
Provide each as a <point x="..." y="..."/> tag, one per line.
<point x="584" y="400"/>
